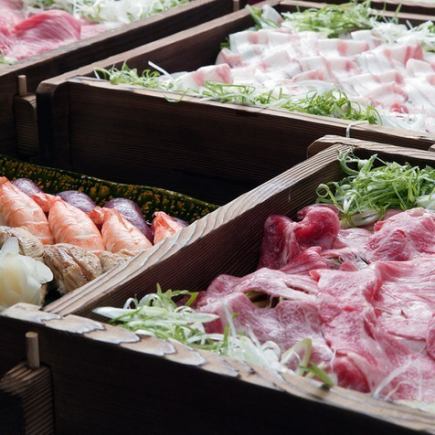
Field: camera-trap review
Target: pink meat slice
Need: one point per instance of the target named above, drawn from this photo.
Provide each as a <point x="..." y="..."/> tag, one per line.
<point x="279" y="244"/>
<point x="403" y="236"/>
<point x="349" y="248"/>
<point x="430" y="338"/>
<point x="284" y="241"/>
<point x="42" y="32"/>
<point x="286" y="324"/>
<point x="319" y="226"/>
<point x="405" y="302"/>
<point x="273" y="283"/>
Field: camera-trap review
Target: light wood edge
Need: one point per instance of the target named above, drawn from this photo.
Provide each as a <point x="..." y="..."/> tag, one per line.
<point x="329" y="140"/>
<point x="81" y="300"/>
<point x="260" y="376"/>
<point x="291" y="116"/>
<point x="34" y="389"/>
<point x="192" y="6"/>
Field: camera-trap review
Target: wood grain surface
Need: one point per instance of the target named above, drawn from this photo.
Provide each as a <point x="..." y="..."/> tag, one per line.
<point x="181" y="390"/>
<point x="32" y="390"/>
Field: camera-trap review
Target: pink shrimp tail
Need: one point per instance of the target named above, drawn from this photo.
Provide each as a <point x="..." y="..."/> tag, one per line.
<point x="45" y="200"/>
<point x="3" y="180"/>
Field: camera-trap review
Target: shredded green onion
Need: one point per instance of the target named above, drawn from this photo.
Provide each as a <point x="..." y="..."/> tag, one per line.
<point x="334" y="20"/>
<point x="373" y="186"/>
<point x="334" y="103"/>
<point x="161" y="315"/>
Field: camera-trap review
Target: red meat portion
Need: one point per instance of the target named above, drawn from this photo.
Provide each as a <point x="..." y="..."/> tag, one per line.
<point x="286" y="324"/>
<point x="44" y="31"/>
<point x="405" y="302"/>
<point x="279" y="245"/>
<point x="371" y="320"/>
<point x="284" y="239"/>
<point x="319" y="226"/>
<point x="403" y="236"/>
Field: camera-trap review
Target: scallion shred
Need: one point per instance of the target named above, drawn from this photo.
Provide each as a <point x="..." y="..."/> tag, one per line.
<point x="372" y="186"/>
<point x="165" y="316"/>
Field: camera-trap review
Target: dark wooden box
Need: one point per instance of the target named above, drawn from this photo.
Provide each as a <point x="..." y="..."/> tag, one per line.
<point x="131" y="133"/>
<point x="18" y="116"/>
<point x="107" y="380"/>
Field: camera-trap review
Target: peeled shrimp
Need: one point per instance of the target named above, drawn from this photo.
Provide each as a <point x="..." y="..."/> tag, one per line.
<point x="118" y="233"/>
<point x="69" y="224"/>
<point x="18" y="210"/>
<point x="165" y="226"/>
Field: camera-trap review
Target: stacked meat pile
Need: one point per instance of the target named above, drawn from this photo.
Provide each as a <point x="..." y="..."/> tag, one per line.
<point x="397" y="78"/>
<point x="23" y="36"/>
<point x="365" y="298"/>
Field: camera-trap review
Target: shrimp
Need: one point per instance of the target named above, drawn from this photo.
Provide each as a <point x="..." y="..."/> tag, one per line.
<point x="118" y="233"/>
<point x="19" y="210"/>
<point x="70" y="224"/>
<point x="165" y="226"/>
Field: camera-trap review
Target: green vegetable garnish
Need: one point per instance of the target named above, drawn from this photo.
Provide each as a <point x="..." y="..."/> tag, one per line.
<point x="162" y="315"/>
<point x="333" y="103"/>
<point x="334" y="20"/>
<point x="373" y="186"/>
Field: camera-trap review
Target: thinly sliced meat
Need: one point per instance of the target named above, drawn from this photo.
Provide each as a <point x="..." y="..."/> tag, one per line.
<point x="319" y="226"/>
<point x="213" y="73"/>
<point x="42" y="32"/>
<point x="403" y="236"/>
<point x="279" y="244"/>
<point x="405" y="302"/>
<point x="306" y="261"/>
<point x="430" y="338"/>
<point x="272" y="283"/>
<point x="341" y="47"/>
<point x="284" y="239"/>
<point x="286" y="324"/>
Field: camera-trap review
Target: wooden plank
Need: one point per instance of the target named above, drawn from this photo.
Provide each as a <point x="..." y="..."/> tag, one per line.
<point x="96" y="397"/>
<point x="74" y="55"/>
<point x="143" y="130"/>
<point x="34" y="390"/>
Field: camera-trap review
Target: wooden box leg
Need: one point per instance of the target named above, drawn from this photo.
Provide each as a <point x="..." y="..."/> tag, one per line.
<point x="27" y="391"/>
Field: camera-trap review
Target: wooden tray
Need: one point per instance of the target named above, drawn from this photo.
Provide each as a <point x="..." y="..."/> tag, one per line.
<point x="150" y="199"/>
<point x="17" y="116"/>
<point x="202" y="390"/>
<point x="82" y="119"/>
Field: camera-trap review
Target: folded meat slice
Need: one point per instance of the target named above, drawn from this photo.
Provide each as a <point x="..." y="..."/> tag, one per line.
<point x="71" y="265"/>
<point x="279" y="245"/>
<point x="403" y="236"/>
<point x="268" y="282"/>
<point x="284" y="240"/>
